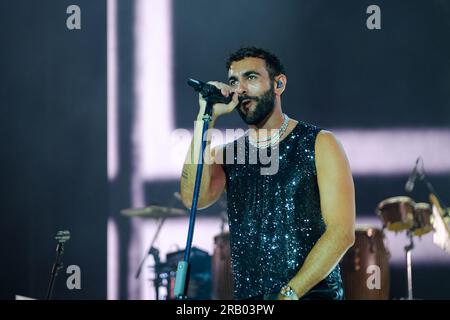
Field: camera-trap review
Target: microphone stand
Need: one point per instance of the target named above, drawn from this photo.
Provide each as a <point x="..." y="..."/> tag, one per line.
<point x="419" y="173"/>
<point x="181" y="278"/>
<point x="61" y="237"/>
<point x="422" y="177"/>
<point x="408" y="248"/>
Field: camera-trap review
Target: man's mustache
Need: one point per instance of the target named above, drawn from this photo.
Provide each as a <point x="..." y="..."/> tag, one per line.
<point x="242" y="98"/>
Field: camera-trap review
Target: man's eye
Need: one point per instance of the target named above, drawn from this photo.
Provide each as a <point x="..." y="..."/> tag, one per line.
<point x="251" y="77"/>
<point x="232" y="83"/>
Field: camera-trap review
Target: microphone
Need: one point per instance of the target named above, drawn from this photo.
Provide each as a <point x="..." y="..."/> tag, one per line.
<point x="62" y="236"/>
<point x="409" y="186"/>
<point x="208" y="91"/>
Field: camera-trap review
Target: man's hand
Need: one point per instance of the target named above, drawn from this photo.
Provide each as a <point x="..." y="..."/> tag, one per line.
<point x="220" y="108"/>
<point x="281" y="297"/>
<point x="289" y="293"/>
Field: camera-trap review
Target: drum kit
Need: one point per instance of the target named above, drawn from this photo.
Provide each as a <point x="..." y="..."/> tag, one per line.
<point x="365" y="266"/>
<point x="368" y="258"/>
<point x="403" y="214"/>
<point x="210" y="277"/>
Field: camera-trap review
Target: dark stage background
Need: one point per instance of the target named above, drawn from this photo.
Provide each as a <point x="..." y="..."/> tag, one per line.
<point x="53" y="100"/>
<point x="53" y="138"/>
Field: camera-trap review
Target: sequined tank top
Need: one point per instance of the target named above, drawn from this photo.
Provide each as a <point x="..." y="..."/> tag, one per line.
<point x="274" y="219"/>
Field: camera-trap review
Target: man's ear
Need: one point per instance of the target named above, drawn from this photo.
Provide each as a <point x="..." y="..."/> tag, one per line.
<point x="280" y="84"/>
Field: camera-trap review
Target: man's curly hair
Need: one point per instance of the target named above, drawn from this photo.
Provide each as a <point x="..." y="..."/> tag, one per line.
<point x="273" y="64"/>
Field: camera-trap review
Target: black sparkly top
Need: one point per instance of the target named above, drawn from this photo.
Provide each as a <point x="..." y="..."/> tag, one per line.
<point x="275" y="219"/>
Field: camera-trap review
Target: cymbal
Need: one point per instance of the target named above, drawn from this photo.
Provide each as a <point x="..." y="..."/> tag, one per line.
<point x="155" y="212"/>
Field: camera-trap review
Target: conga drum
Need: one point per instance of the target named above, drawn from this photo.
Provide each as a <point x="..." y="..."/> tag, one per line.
<point x="397" y="213"/>
<point x="222" y="276"/>
<point x="365" y="266"/>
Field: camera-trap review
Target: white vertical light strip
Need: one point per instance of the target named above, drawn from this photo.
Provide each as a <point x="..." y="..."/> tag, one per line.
<point x="112" y="147"/>
<point x="112" y="66"/>
<point x="113" y="260"/>
<point x="154" y="85"/>
<point x="153" y="121"/>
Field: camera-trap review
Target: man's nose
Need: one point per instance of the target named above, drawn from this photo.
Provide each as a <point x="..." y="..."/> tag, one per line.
<point x="241" y="89"/>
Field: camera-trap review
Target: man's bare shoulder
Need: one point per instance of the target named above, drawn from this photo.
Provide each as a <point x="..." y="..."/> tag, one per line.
<point x="329" y="151"/>
<point x="328" y="146"/>
<point x="327" y="139"/>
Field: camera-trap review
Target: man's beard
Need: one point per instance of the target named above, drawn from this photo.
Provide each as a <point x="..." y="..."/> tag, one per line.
<point x="264" y="106"/>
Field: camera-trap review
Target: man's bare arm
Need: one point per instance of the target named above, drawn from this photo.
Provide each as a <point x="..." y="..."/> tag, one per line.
<point x="213" y="176"/>
<point x="337" y="201"/>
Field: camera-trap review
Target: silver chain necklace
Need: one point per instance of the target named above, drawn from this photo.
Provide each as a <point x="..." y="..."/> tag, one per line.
<point x="272" y="139"/>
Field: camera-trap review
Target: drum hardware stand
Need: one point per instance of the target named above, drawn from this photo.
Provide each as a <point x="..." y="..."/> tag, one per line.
<point x="408" y="248"/>
<point x="157" y="280"/>
<point x="420" y="175"/>
<point x="152" y="251"/>
<point x="61" y="237"/>
<point x="211" y="97"/>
